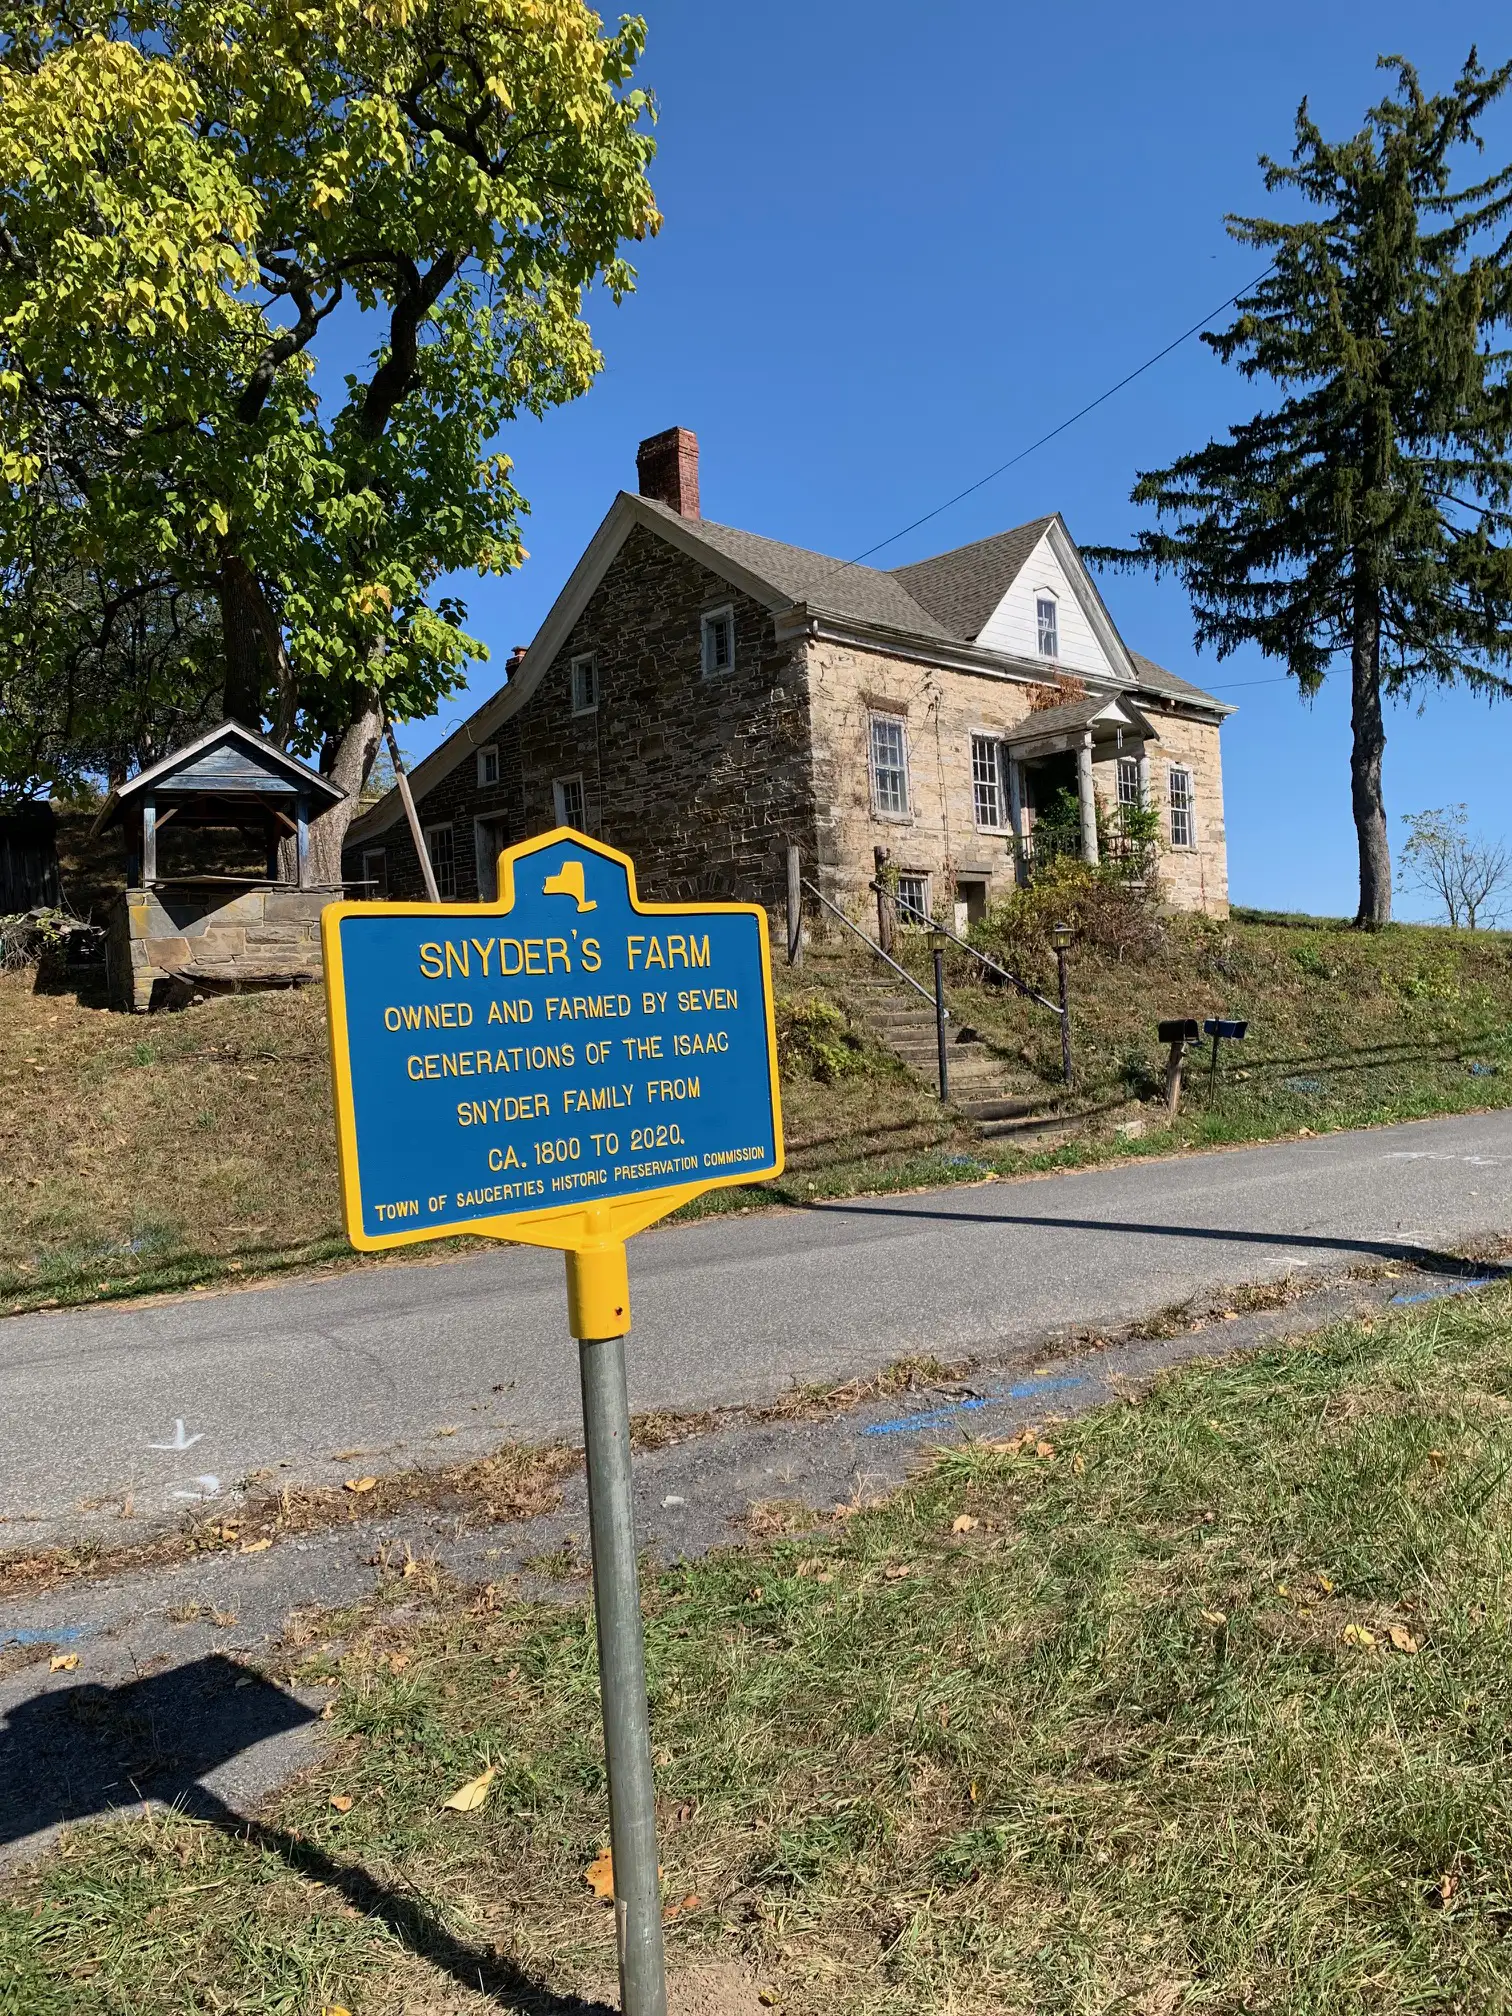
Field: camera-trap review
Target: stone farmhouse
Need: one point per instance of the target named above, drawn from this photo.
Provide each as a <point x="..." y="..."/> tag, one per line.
<point x="701" y="697"/>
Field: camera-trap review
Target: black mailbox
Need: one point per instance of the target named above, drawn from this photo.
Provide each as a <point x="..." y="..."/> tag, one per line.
<point x="1182" y="1030"/>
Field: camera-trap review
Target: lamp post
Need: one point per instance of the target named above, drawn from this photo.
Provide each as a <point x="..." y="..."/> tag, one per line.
<point x="1060" y="938"/>
<point x="937" y="943"/>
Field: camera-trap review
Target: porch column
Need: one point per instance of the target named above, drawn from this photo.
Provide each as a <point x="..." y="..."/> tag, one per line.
<point x="149" y="841"/>
<point x="1144" y="777"/>
<point x="1088" y="798"/>
<point x="1016" y="814"/>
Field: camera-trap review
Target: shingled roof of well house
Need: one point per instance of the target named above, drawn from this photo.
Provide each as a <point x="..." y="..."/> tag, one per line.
<point x="964" y="586"/>
<point x="840" y="588"/>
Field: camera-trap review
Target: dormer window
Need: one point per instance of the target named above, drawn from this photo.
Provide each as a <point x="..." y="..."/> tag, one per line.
<point x="1049" y="626"/>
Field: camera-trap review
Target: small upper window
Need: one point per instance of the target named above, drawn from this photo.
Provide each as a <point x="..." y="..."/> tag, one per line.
<point x="718" y="641"/>
<point x="889" y="766"/>
<point x="375" y="874"/>
<point x="1183" y="805"/>
<point x="1048" y="618"/>
<point x="987" y="782"/>
<point x="488" y="765"/>
<point x="568" y="793"/>
<point x="441" y="846"/>
<point x="585" y="686"/>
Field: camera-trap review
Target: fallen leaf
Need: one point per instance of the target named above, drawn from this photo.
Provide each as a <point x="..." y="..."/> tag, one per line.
<point x="398" y="1661"/>
<point x="599" y="1876"/>
<point x="1216" y="1618"/>
<point x="1356" y="1634"/>
<point x="1078" y="1465"/>
<point x="1435" y="1455"/>
<point x="964" y="1523"/>
<point x="897" y="1571"/>
<point x="1324" y="1584"/>
<point x="810" y="1566"/>
<point x="327" y="1714"/>
<point x="690" y="1903"/>
<point x="767" y="1997"/>
<point x="976" y="1793"/>
<point x="342" y="1801"/>
<point x="63" y="1662"/>
<point x="1446" y="1886"/>
<point x="334" y="2009"/>
<point x="1045" y="1451"/>
<point x="1402" y="1638"/>
<point x="360" y="1483"/>
<point x="469" y="1797"/>
<point x="256" y="1546"/>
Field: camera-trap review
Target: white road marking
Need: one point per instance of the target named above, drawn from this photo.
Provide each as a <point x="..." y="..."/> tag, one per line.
<point x="180" y="1439"/>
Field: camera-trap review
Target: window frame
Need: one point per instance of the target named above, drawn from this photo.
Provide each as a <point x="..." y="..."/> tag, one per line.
<point x="907" y="919"/>
<point x="488" y="750"/>
<point x="997" y="784"/>
<point x="448" y="827"/>
<point x="560" y="786"/>
<point x="1183" y="805"/>
<point x="878" y="717"/>
<point x="379" y="854"/>
<point x="1128" y="771"/>
<point x="706" y="629"/>
<point x="1046" y="598"/>
<point x="585" y="662"/>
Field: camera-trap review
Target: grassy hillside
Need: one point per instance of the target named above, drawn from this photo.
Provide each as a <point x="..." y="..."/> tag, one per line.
<point x="162" y="1152"/>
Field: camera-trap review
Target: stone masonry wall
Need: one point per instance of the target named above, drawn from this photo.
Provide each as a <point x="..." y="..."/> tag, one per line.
<point x="701" y="780"/>
<point x="1194" y="878"/>
<point x="262" y="936"/>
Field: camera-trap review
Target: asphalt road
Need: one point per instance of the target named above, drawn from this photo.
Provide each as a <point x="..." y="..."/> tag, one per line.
<point x="425" y="1361"/>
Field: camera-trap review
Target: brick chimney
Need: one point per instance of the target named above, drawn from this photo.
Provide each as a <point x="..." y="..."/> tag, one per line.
<point x="667" y="466"/>
<point x="514" y="661"/>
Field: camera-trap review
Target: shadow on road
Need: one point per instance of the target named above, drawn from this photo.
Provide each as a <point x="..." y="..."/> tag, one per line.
<point x="82" y="1751"/>
<point x="1426" y="1257"/>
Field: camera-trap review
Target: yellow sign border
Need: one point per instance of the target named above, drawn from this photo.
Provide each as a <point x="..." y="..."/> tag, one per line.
<point x="569" y="1228"/>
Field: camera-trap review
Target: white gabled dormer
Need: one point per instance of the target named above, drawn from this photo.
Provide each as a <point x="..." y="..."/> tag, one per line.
<point x="1051" y="613"/>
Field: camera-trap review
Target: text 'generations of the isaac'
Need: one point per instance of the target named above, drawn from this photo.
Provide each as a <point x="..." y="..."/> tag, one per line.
<point x="504" y="1067"/>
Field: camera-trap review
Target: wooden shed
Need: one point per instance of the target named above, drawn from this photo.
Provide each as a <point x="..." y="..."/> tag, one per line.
<point x="29" y="877"/>
<point x="220" y="915"/>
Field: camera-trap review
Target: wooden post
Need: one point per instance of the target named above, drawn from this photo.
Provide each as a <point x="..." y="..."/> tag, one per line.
<point x="794" y="905"/>
<point x="417" y="838"/>
<point x="1173" y="1077"/>
<point x="149" y="841"/>
<point x="1087" y="795"/>
<point x="887" y="914"/>
<point x="302" y="840"/>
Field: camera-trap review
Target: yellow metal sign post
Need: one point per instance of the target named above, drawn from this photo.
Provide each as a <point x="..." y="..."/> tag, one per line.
<point x="561" y="1068"/>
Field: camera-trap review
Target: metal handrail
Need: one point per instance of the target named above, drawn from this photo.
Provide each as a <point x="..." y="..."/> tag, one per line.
<point x="902" y="972"/>
<point x="991" y="964"/>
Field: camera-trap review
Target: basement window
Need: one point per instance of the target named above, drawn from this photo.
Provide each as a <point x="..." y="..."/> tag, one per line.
<point x="913" y="902"/>
<point x="440" y="844"/>
<point x="1183" y="803"/>
<point x="718" y="642"/>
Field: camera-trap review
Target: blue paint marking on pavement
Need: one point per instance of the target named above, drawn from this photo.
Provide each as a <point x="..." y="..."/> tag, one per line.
<point x="935" y="1417"/>
<point x="1448" y="1288"/>
<point x="58" y="1634"/>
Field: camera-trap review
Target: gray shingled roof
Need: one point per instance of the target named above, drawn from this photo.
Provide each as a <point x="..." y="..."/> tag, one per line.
<point x="1159" y="680"/>
<point x="840" y="588"/>
<point x="963" y="587"/>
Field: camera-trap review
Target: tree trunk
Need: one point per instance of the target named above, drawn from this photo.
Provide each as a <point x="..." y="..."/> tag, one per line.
<point x="1365" y="762"/>
<point x="247" y="666"/>
<point x="349" y="764"/>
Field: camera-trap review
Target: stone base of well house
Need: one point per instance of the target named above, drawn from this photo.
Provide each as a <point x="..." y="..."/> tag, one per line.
<point x="218" y="938"/>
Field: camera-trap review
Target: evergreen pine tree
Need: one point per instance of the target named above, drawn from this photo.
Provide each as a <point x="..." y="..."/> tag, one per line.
<point x="1369" y="513"/>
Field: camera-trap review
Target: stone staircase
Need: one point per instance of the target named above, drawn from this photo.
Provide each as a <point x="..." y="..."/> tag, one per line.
<point x="995" y="1091"/>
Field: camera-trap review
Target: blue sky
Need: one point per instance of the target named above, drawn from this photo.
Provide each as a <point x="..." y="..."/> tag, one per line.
<point x="903" y="242"/>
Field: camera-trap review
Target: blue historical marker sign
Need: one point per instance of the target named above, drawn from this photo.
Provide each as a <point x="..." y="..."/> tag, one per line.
<point x="500" y="1066"/>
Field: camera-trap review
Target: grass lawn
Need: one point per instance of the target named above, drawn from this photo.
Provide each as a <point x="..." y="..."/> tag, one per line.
<point x="166" y="1152"/>
<point x="1200" y="1703"/>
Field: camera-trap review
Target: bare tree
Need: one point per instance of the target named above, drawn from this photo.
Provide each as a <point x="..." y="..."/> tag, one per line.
<point x="1459" y="870"/>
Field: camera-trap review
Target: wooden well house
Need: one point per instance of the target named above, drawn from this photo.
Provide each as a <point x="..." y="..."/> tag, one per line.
<point x="207" y="906"/>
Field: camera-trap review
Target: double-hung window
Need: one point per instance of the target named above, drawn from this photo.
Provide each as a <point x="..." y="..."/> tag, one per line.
<point x="987" y="782"/>
<point x="1183" y="803"/>
<point x="585" y="686"/>
<point x="441" y="845"/>
<point x="1128" y="782"/>
<point x="718" y="642"/>
<point x="568" y="794"/>
<point x="1047" y="620"/>
<point x="889" y="765"/>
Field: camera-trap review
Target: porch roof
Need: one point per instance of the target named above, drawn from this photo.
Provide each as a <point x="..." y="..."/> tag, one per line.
<point x="1052" y="729"/>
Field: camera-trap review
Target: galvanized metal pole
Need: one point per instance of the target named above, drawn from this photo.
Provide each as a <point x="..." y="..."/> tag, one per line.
<point x="939" y="965"/>
<point x="794" y="906"/>
<point x="622" y="1679"/>
<point x="1065" y="1014"/>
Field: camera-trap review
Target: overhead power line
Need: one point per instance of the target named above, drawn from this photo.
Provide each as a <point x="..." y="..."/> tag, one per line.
<point x="1080" y="414"/>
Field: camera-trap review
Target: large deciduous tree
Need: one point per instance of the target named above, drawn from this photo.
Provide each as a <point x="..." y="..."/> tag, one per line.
<point x="190" y="194"/>
<point x="1363" y="518"/>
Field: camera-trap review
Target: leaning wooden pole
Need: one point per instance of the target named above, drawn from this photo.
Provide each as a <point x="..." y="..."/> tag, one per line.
<point x="427" y="872"/>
